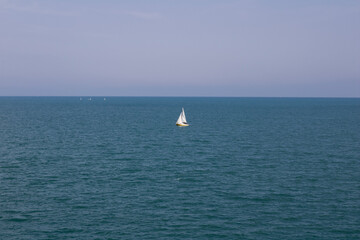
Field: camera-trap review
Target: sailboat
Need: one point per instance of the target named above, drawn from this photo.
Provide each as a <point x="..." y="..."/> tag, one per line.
<point x="182" y="120"/>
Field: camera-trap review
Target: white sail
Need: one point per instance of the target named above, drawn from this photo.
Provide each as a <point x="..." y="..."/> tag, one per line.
<point x="182" y="119"/>
<point x="179" y="121"/>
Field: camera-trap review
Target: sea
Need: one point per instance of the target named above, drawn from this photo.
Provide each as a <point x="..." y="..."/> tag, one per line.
<point x="119" y="168"/>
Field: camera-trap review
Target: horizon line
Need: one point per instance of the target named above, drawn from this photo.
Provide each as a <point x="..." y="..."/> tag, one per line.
<point x="147" y="96"/>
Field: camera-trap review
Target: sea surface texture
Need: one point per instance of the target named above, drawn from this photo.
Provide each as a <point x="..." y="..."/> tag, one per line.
<point x="245" y="168"/>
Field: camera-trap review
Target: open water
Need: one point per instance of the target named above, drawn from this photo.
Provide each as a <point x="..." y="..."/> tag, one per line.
<point x="245" y="168"/>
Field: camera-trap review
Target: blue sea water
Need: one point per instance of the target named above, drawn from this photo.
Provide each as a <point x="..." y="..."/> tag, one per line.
<point x="245" y="168"/>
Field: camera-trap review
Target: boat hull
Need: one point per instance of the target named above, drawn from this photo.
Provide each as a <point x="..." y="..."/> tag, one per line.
<point x="182" y="125"/>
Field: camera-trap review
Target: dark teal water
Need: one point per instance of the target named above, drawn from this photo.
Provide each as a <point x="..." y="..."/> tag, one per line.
<point x="246" y="168"/>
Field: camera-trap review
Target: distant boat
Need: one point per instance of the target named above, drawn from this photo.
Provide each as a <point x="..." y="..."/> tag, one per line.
<point x="182" y="120"/>
<point x="104" y="99"/>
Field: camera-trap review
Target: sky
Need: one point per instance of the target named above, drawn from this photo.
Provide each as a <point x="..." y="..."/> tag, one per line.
<point x="250" y="48"/>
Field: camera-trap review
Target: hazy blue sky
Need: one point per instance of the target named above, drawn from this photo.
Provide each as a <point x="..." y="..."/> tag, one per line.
<point x="180" y="48"/>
